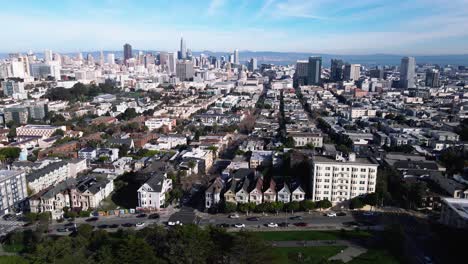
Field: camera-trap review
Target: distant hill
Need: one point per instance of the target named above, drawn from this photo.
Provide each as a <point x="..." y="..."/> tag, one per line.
<point x="283" y="58"/>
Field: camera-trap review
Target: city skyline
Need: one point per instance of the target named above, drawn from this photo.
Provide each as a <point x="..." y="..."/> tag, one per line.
<point x="366" y="27"/>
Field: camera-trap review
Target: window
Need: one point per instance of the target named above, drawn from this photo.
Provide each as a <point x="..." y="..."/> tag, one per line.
<point x="362" y="182"/>
<point x="327" y="168"/>
<point x="363" y="170"/>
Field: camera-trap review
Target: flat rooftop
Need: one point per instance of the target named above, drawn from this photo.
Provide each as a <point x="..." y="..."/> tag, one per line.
<point x="460" y="206"/>
<point x="358" y="161"/>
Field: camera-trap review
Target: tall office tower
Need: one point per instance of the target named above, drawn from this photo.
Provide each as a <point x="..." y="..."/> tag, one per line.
<point x="231" y="58"/>
<point x="253" y="64"/>
<point x="25" y="61"/>
<point x="336" y="70"/>
<point x="432" y="78"/>
<point x="172" y="61"/>
<point x="184" y="70"/>
<point x="90" y="59"/>
<point x="183" y="49"/>
<point x="407" y="72"/>
<point x="352" y="72"/>
<point x="57" y="57"/>
<point x="377" y="73"/>
<point x="128" y="54"/>
<point x="80" y="56"/>
<point x="314" y="71"/>
<point x="302" y="73"/>
<point x="149" y="60"/>
<point x="163" y="58"/>
<point x="14" y="89"/>
<point x="111" y="58"/>
<point x="236" y="56"/>
<point x="101" y="58"/>
<point x="47" y="55"/>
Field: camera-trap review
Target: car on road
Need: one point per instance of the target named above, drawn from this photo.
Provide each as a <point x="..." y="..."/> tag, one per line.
<point x="234" y="216"/>
<point x="331" y="214"/>
<point x="223" y="225"/>
<point x="103" y="226"/>
<point x="368" y="213"/>
<point x="153" y="216"/>
<point x="296" y="217"/>
<point x="127" y="225"/>
<point x="253" y="219"/>
<point x="140" y="224"/>
<point x="239" y="225"/>
<point x="141" y="215"/>
<point x="62" y="230"/>
<point x="341" y="214"/>
<point x="351" y="224"/>
<point x="283" y="224"/>
<point x="70" y="224"/>
<point x="174" y="223"/>
<point x="272" y="225"/>
<point x="92" y="219"/>
<point x="113" y="226"/>
<point x="300" y="224"/>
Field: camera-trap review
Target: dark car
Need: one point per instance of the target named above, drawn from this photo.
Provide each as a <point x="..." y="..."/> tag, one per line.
<point x="341" y="214"/>
<point x="351" y="224"/>
<point x="153" y="216"/>
<point x="301" y="224"/>
<point x="92" y="219"/>
<point x="103" y="226"/>
<point x="297" y="217"/>
<point x="253" y="219"/>
<point x="141" y="215"/>
<point x="283" y="224"/>
<point x="61" y="230"/>
<point x="127" y="225"/>
<point x="70" y="224"/>
<point x="224" y="225"/>
<point x="113" y="226"/>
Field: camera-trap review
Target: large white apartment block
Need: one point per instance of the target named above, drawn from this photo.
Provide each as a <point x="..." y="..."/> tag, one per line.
<point x="304" y="138"/>
<point x="44" y="131"/>
<point x="342" y="178"/>
<point x="12" y="189"/>
<point x="156" y="123"/>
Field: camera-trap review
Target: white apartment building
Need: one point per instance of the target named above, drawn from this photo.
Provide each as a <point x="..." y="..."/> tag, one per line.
<point x="358" y="112"/>
<point x="47" y="176"/>
<point x="44" y="131"/>
<point x="156" y="123"/>
<point x="342" y="178"/>
<point x="152" y="194"/>
<point x="12" y="189"/>
<point x="303" y="139"/>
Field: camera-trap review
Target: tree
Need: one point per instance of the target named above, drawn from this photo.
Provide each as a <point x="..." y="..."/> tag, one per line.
<point x="249" y="248"/>
<point x="356" y="203"/>
<point x="10" y="153"/>
<point x="277" y="207"/>
<point x="307" y="205"/>
<point x="293" y="206"/>
<point x="324" y="204"/>
<point x="228" y="207"/>
<point x="246" y="207"/>
<point x="135" y="250"/>
<point x="58" y="132"/>
<point x="289" y="142"/>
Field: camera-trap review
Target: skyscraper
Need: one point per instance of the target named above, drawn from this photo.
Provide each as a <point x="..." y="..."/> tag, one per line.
<point x="352" y="72"/>
<point x="183" y="49"/>
<point x="128" y="54"/>
<point x="236" y="56"/>
<point x="302" y="71"/>
<point x="336" y="70"/>
<point x="101" y="58"/>
<point x="314" y="71"/>
<point x="172" y="62"/>
<point x="184" y="70"/>
<point x="253" y="64"/>
<point x="377" y="73"/>
<point x="111" y="58"/>
<point x="432" y="78"/>
<point x="407" y="72"/>
<point x="47" y="55"/>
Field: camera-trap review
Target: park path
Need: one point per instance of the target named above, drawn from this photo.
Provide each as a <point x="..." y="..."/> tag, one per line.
<point x="351" y="251"/>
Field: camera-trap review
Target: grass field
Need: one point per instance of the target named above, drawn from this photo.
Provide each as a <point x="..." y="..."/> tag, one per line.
<point x="312" y="235"/>
<point x="13" y="248"/>
<point x="375" y="256"/>
<point x="309" y="255"/>
<point x="12" y="260"/>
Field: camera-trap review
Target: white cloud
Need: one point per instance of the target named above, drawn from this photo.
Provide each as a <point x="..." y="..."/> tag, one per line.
<point x="215" y="6"/>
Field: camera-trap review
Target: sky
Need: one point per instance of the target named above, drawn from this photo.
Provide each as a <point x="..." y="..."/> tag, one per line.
<point x="412" y="27"/>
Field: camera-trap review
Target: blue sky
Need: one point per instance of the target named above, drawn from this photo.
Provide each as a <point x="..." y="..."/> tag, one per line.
<point x="316" y="26"/>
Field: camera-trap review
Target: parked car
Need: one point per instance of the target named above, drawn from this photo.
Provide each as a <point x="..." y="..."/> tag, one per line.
<point x="234" y="216"/>
<point x="331" y="214"/>
<point x="127" y="225"/>
<point x="272" y="225"/>
<point x="223" y="225"/>
<point x="153" y="216"/>
<point x="368" y="213"/>
<point x="141" y="215"/>
<point x="301" y="224"/>
<point x="174" y="223"/>
<point x="283" y="224"/>
<point x="103" y="226"/>
<point x="62" y="230"/>
<point x="253" y="219"/>
<point x="297" y="217"/>
<point x="341" y="214"/>
<point x="140" y="224"/>
<point x="92" y="219"/>
<point x="239" y="225"/>
<point x="113" y="226"/>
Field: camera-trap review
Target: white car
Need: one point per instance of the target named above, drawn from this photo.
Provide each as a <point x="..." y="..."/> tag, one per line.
<point x="170" y="223"/>
<point x="272" y="225"/>
<point x="239" y="225"/>
<point x="234" y="216"/>
<point x="140" y="224"/>
<point x="331" y="214"/>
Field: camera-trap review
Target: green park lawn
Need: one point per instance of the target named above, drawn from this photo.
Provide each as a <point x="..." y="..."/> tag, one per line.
<point x="309" y="255"/>
<point x="311" y="235"/>
<point x="375" y="256"/>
